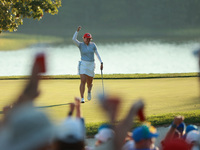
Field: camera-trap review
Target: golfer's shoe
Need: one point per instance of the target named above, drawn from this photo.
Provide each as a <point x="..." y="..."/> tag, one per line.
<point x="82" y="100"/>
<point x="89" y="96"/>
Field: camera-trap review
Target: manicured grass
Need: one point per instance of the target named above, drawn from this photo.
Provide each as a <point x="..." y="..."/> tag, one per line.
<point x="164" y="98"/>
<point x="111" y="76"/>
<point x="14" y="41"/>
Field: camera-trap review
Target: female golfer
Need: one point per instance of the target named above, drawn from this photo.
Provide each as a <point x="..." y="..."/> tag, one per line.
<point x="86" y="65"/>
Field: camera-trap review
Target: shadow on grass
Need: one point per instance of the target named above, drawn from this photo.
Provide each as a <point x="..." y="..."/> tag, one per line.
<point x="56" y="105"/>
<point x="49" y="106"/>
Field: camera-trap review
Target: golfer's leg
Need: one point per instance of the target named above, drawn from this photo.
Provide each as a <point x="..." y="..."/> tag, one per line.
<point x="89" y="83"/>
<point x="82" y="85"/>
<point x="89" y="86"/>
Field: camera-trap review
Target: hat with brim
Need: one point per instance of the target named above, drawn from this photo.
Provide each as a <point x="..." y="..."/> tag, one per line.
<point x="87" y="35"/>
<point x="72" y="130"/>
<point x="144" y="132"/>
<point x="104" y="135"/>
<point x="191" y="128"/>
<point x="26" y="128"/>
<point x="193" y="136"/>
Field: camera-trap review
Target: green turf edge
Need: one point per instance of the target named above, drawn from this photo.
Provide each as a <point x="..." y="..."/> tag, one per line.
<point x="110" y="76"/>
<point x="192" y="117"/>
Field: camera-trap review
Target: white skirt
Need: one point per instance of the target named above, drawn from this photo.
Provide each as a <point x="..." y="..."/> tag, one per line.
<point x="86" y="67"/>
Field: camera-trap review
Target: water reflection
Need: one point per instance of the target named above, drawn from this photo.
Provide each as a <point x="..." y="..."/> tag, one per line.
<point x="143" y="57"/>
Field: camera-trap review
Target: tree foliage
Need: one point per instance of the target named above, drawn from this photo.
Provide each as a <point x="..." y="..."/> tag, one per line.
<point x="12" y="12"/>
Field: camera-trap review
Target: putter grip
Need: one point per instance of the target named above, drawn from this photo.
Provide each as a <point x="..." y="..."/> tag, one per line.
<point x="141" y="114"/>
<point x="40" y="60"/>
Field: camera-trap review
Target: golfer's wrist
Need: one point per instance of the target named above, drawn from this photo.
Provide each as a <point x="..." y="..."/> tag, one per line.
<point x="102" y="63"/>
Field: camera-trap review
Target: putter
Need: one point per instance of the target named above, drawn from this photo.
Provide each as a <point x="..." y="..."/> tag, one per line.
<point x="102" y="81"/>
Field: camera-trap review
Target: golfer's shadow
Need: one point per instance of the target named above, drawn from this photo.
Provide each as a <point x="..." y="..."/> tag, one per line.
<point x="57" y="105"/>
<point x="49" y="106"/>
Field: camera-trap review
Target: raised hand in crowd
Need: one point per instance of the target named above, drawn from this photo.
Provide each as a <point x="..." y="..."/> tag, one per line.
<point x="176" y="122"/>
<point x="125" y="125"/>
<point x="111" y="106"/>
<point x="30" y="91"/>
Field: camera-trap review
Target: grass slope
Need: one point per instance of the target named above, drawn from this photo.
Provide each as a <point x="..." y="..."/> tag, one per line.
<point x="164" y="98"/>
<point x="14" y="41"/>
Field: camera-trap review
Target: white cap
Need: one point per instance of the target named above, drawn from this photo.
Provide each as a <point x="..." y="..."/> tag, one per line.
<point x="128" y="145"/>
<point x="26" y="128"/>
<point x="193" y="136"/>
<point x="104" y="134"/>
<point x="71" y="131"/>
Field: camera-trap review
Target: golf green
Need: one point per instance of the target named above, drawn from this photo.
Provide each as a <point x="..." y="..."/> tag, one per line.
<point x="161" y="96"/>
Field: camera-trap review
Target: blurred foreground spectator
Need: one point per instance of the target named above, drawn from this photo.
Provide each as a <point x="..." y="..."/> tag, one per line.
<point x="193" y="139"/>
<point x="174" y="139"/>
<point x="71" y="135"/>
<point x="104" y="134"/>
<point x="24" y="127"/>
<point x="144" y="137"/>
<point x="27" y="129"/>
<point x="111" y="106"/>
<point x="189" y="128"/>
<point x="128" y="142"/>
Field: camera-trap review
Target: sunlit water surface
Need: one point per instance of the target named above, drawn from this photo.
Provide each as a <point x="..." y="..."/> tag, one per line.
<point x="127" y="58"/>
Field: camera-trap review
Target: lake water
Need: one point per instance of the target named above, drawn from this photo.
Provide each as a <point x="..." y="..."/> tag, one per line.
<point x="127" y="58"/>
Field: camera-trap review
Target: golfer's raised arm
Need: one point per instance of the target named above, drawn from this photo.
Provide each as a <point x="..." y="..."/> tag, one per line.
<point x="74" y="38"/>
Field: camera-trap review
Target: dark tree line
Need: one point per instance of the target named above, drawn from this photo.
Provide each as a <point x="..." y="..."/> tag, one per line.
<point x="12" y="12"/>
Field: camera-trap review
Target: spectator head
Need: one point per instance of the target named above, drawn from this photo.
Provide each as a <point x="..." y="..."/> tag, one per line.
<point x="193" y="137"/>
<point x="104" y="135"/>
<point x="128" y="145"/>
<point x="27" y="129"/>
<point x="71" y="135"/>
<point x="104" y="126"/>
<point x="191" y="128"/>
<point x="144" y="135"/>
<point x="128" y="142"/>
<point x="144" y="132"/>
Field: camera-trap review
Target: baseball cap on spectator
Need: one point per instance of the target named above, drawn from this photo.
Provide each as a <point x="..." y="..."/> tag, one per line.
<point x="128" y="145"/>
<point x="104" y="134"/>
<point x="104" y="126"/>
<point x="193" y="136"/>
<point x="144" y="132"/>
<point x="71" y="131"/>
<point x="87" y="35"/>
<point x="26" y="128"/>
<point x="191" y="128"/>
